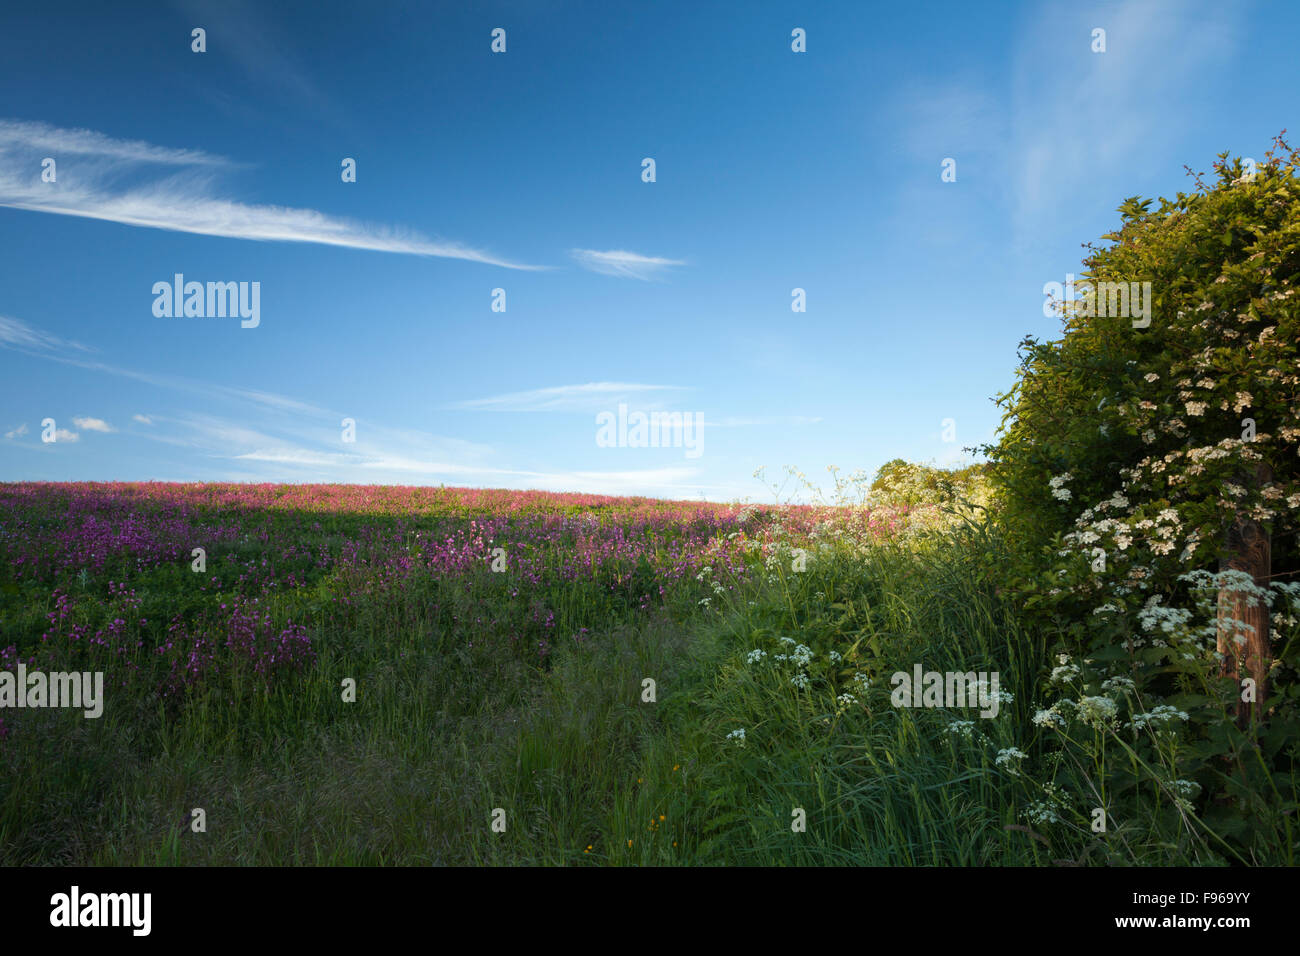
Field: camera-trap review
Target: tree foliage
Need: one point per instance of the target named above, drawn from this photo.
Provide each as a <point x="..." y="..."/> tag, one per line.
<point x="1146" y="442"/>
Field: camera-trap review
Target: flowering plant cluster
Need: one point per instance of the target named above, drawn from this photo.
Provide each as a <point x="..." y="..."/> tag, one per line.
<point x="1130" y="451"/>
<point x="1148" y="481"/>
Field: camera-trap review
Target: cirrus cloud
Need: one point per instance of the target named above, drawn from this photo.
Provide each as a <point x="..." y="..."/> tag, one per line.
<point x="620" y="262"/>
<point x="182" y="201"/>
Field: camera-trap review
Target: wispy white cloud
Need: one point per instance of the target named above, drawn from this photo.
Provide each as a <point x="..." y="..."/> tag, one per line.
<point x="300" y="456"/>
<point x="182" y="201"/>
<point x="593" y="396"/>
<point x="620" y="262"/>
<point x="261" y="49"/>
<point x="17" y="334"/>
<point x="62" y="434"/>
<point x="93" y="425"/>
<point x="1077" y="117"/>
<point x="56" y="142"/>
<point x="386" y="466"/>
<point x="405" y="457"/>
<point x="17" y="432"/>
<point x="297" y="441"/>
<point x="1062" y="124"/>
<point x="273" y="400"/>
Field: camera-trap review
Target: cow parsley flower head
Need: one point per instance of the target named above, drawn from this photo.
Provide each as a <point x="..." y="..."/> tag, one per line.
<point x="1118" y="683"/>
<point x="1185" y="791"/>
<point x="1051" y="717"/>
<point x="1066" y="672"/>
<point x="1097" y="712"/>
<point x="1009" y="759"/>
<point x="1157" y="716"/>
<point x="960" y="728"/>
<point x="1040" y="812"/>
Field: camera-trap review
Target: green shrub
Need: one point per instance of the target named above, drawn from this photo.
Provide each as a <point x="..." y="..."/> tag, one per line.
<point x="1130" y="458"/>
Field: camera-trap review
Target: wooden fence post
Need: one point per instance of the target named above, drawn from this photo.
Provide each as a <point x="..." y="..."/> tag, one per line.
<point x="1247" y="549"/>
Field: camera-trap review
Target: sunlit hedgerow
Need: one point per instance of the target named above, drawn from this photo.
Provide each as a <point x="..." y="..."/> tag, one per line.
<point x="1138" y="449"/>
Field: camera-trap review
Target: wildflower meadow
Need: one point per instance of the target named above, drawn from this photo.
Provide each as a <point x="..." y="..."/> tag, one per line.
<point x="404" y="408"/>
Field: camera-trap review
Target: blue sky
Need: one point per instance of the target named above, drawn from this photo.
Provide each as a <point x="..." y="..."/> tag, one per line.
<point x="522" y="171"/>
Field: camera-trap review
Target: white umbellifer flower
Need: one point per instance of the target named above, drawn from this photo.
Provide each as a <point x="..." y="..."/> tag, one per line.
<point x="756" y="655"/>
<point x="1169" y="619"/>
<point x="737" y="735"/>
<point x="846" y="700"/>
<point x="1122" y="541"/>
<point x="1097" y="711"/>
<point x="961" y="728"/>
<point x="1009" y="759"/>
<point x="862" y="680"/>
<point x="1161" y="714"/>
<point x="1118" y="683"/>
<point x="800" y="680"/>
<point x="1040" y="812"/>
<point x="1050" y="717"/>
<point x="1151" y="377"/>
<point x="1064" y="673"/>
<point x="1196" y="409"/>
<point x="1244" y="400"/>
<point x="1185" y="791"/>
<point x="835" y="657"/>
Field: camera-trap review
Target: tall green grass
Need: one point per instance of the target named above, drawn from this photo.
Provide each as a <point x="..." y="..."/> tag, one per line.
<point x="586" y="770"/>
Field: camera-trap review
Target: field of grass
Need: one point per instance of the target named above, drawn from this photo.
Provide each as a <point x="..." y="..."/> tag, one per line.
<point x="502" y="646"/>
